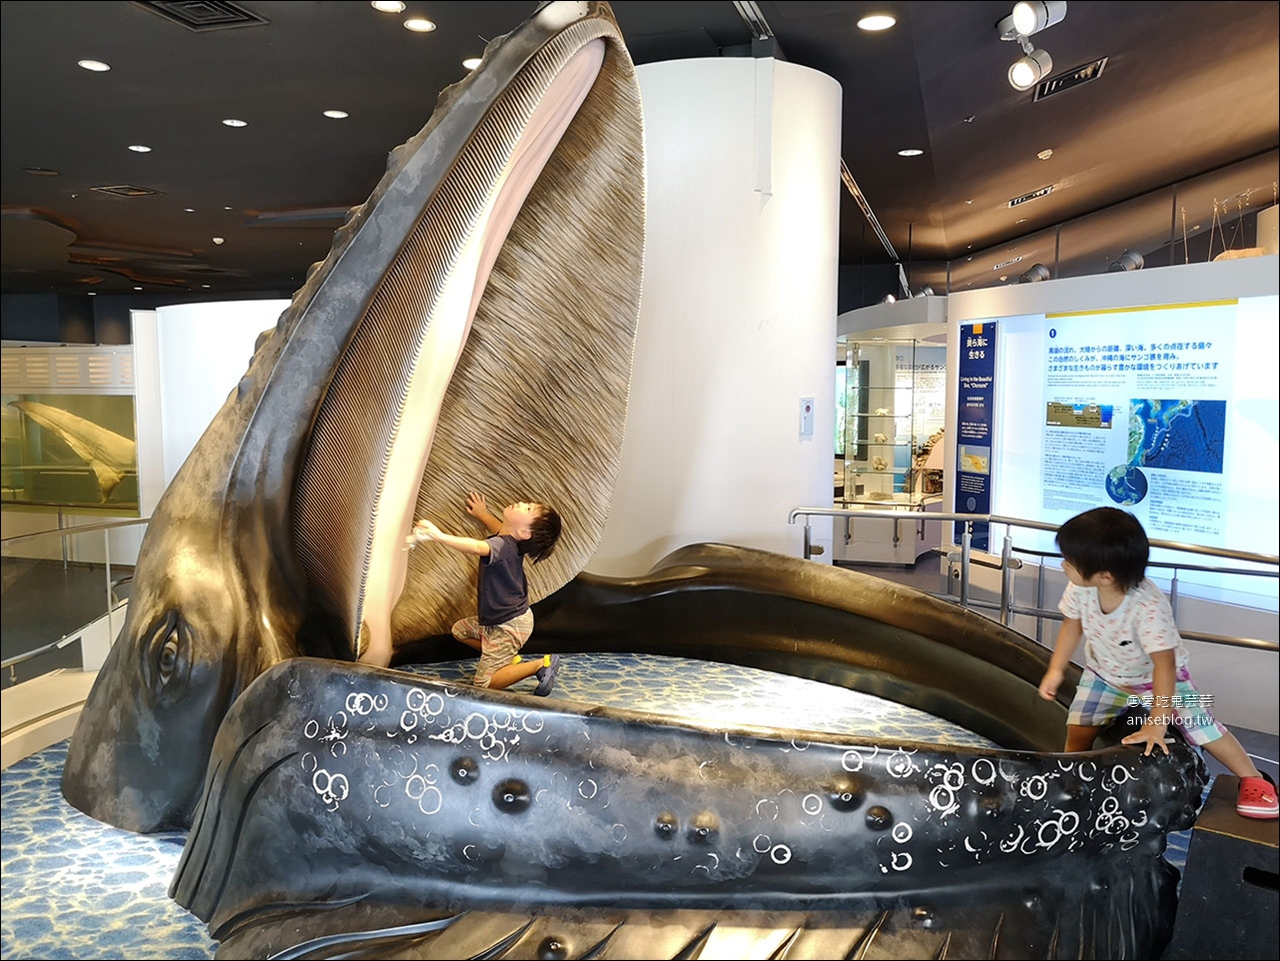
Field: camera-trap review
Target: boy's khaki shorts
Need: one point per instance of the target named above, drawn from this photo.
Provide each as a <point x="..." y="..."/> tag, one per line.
<point x="499" y="643"/>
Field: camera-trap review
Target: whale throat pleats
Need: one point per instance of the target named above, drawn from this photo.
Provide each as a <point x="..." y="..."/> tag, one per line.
<point x="479" y="364"/>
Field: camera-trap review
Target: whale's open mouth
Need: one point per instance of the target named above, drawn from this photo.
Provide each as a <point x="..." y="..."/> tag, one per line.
<point x="471" y="328"/>
<point x="377" y="441"/>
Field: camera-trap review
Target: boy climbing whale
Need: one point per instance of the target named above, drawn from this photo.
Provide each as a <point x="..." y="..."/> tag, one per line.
<point x="503" y="620"/>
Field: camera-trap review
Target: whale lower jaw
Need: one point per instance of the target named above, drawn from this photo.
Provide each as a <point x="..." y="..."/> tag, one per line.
<point x="345" y="801"/>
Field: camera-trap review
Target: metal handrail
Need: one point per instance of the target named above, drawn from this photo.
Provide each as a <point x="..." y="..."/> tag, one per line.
<point x="65" y="532"/>
<point x="1009" y="564"/>
<point x="1170" y="565"/>
<point x="17" y="659"/>
<point x="970" y="519"/>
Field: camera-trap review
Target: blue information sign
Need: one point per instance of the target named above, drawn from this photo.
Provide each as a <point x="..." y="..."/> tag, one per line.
<point x="974" y="425"/>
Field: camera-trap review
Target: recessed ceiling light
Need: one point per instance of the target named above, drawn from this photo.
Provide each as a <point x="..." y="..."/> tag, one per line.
<point x="188" y="210"/>
<point x="206" y="286"/>
<point x="337" y="114"/>
<point x="1021" y="220"/>
<point x="419" y="25"/>
<point x="40" y="171"/>
<point x="1004" y="277"/>
<point x="97" y="66"/>
<point x="137" y="288"/>
<point x="228" y="208"/>
<point x="471" y="63"/>
<point x="969" y="202"/>
<point x="1196" y="227"/>
<point x="971" y="118"/>
<point x="873" y="22"/>
<point x="388" y="6"/>
<point x="1045" y="154"/>
<point x="233" y="122"/>
<point x="93" y="293"/>
<point x="139" y="148"/>
<point x="910" y="152"/>
<point x="218" y="240"/>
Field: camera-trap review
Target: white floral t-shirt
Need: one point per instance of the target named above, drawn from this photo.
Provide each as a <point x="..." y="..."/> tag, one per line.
<point x="1117" y="645"/>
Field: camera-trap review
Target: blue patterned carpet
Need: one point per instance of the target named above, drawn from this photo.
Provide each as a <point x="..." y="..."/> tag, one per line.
<point x="75" y="888"/>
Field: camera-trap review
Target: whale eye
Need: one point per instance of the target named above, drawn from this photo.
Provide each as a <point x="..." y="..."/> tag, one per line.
<point x="168" y="659"/>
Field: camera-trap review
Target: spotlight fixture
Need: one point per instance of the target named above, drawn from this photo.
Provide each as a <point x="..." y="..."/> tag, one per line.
<point x="337" y="114"/>
<point x="1031" y="17"/>
<point x="1028" y="71"/>
<point x="419" y="25"/>
<point x="888" y="299"/>
<point x="471" y="63"/>
<point x="97" y="66"/>
<point x="1035" y="274"/>
<point x="1129" y="260"/>
<point x="1026" y="19"/>
<point x="219" y="241"/>
<point x="388" y="6"/>
<point x="925" y="291"/>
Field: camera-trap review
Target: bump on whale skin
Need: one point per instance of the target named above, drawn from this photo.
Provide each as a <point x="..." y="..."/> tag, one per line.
<point x="260" y="549"/>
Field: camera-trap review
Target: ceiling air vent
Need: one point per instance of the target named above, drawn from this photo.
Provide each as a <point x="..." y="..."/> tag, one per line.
<point x="1042" y="192"/>
<point x="1070" y="79"/>
<point x="128" y="190"/>
<point x="202" y="15"/>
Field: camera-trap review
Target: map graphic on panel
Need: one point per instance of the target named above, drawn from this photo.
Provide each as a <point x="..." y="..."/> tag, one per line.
<point x="1177" y="434"/>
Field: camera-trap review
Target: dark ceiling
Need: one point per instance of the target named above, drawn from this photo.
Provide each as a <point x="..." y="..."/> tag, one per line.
<point x="1188" y="89"/>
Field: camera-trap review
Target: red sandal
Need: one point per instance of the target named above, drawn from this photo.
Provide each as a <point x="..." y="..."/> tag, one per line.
<point x="1257" y="798"/>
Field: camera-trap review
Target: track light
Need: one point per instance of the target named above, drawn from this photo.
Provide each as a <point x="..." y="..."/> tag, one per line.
<point x="1026" y="19"/>
<point x="925" y="291"/>
<point x="1035" y="274"/>
<point x="1129" y="260"/>
<point x="1032" y="17"/>
<point x="1028" y="71"/>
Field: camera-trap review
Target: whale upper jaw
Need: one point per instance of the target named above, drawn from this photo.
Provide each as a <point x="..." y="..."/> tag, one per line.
<point x="280" y="535"/>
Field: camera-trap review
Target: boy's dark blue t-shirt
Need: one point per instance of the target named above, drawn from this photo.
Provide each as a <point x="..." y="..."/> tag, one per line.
<point x="503" y="592"/>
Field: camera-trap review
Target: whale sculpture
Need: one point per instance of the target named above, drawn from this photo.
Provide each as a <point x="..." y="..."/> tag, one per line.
<point x="472" y="327"/>
<point x="359" y="812"/>
<point x="347" y="810"/>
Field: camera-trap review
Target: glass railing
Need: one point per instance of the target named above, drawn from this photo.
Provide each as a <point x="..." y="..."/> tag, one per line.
<point x="63" y="595"/>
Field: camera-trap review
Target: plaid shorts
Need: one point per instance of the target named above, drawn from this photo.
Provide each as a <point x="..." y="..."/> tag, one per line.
<point x="1098" y="702"/>
<point x="499" y="643"/>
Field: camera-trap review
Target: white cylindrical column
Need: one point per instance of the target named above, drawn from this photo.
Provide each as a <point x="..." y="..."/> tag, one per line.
<point x="187" y="359"/>
<point x="738" y="321"/>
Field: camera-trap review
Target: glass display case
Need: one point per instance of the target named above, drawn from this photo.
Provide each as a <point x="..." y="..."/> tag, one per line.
<point x="894" y="410"/>
<point x="68" y="450"/>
